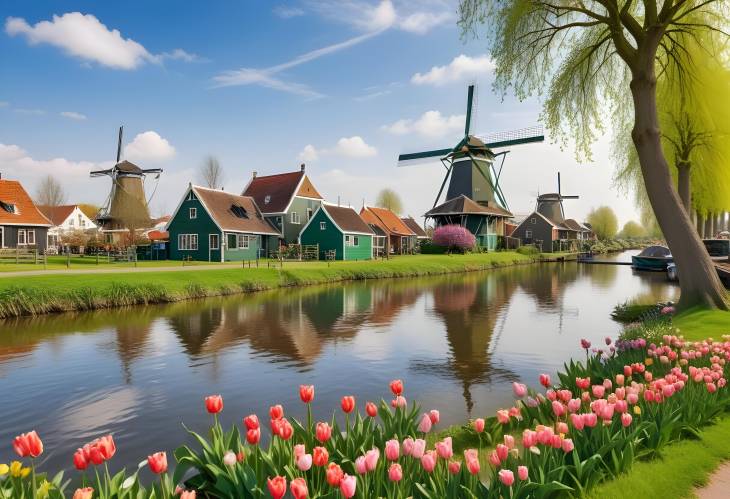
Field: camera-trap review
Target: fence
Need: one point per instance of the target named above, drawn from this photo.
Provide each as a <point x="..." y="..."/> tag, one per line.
<point x="18" y="255"/>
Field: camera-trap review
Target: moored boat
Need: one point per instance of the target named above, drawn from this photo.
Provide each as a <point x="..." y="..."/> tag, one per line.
<point x="654" y="258"/>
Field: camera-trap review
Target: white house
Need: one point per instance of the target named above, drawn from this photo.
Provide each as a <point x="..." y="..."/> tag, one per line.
<point x="66" y="218"/>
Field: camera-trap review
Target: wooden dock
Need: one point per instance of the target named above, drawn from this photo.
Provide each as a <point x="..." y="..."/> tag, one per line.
<point x="723" y="270"/>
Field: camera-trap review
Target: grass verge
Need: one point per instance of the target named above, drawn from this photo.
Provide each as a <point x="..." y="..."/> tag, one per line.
<point x="698" y="324"/>
<point x="40" y="294"/>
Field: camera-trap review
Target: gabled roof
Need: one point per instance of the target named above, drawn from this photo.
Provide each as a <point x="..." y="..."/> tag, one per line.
<point x="377" y="230"/>
<point x="128" y="167"/>
<point x="386" y="220"/>
<point x="274" y="193"/>
<point x="220" y="205"/>
<point x="414" y="226"/>
<point x="575" y="225"/>
<point x="462" y="205"/>
<point x="57" y="214"/>
<point x="16" y="206"/>
<point x="347" y="219"/>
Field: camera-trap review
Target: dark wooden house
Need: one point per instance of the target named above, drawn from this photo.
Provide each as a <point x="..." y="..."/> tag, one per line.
<point x="22" y="225"/>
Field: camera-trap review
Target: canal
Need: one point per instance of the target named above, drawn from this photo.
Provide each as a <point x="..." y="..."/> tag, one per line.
<point x="457" y="341"/>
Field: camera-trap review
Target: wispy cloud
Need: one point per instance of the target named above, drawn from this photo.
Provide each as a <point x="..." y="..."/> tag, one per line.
<point x="73" y="115"/>
<point x="353" y="147"/>
<point x="430" y="124"/>
<point x="414" y="17"/>
<point x="288" y="11"/>
<point x="30" y="112"/>
<point x="460" y="68"/>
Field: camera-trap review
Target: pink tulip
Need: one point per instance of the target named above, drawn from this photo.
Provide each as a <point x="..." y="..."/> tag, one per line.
<point x="506" y="477"/>
<point x="562" y="427"/>
<point x="503" y="416"/>
<point x="621" y="406"/>
<point x="408" y="444"/>
<point x="392" y="450"/>
<point x="428" y="461"/>
<point x="425" y="425"/>
<point x="479" y="425"/>
<point x="514" y="412"/>
<point x="626" y="419"/>
<point x="395" y="472"/>
<point x="558" y="408"/>
<point x="509" y="441"/>
<point x="531" y="402"/>
<point x="632" y="398"/>
<point x="519" y="389"/>
<point x="444" y="448"/>
<point x="371" y="458"/>
<point x="360" y="467"/>
<point x="494" y="459"/>
<point x="585" y="344"/>
<point x="607" y="384"/>
<point x="583" y="383"/>
<point x="502" y="452"/>
<point x="229" y="458"/>
<point x="620" y="379"/>
<point x="419" y="447"/>
<point x="551" y="395"/>
<point x="323" y="432"/>
<point x="598" y="391"/>
<point x="567" y="445"/>
<point x="399" y="402"/>
<point x="574" y="405"/>
<point x="472" y="461"/>
<point x="299" y="450"/>
<point x="577" y="421"/>
<point x="564" y="395"/>
<point x="304" y="462"/>
<point x="454" y="467"/>
<point x="347" y="486"/>
<point x="529" y="438"/>
<point x="711" y="387"/>
<point x="522" y="472"/>
<point x="590" y="419"/>
<point x="434" y="416"/>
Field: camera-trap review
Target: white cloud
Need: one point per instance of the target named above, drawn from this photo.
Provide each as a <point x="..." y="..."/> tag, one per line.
<point x="422" y="22"/>
<point x="431" y="124"/>
<point x="87" y="38"/>
<point x="353" y="147"/>
<point x="287" y="11"/>
<point x="32" y="112"/>
<point x="379" y="16"/>
<point x="180" y="55"/>
<point x="460" y="68"/>
<point x="149" y="146"/>
<point x="73" y="115"/>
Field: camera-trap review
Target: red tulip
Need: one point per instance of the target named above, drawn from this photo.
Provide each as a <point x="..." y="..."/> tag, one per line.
<point x="371" y="409"/>
<point x="80" y="461"/>
<point x="334" y="475"/>
<point x="454" y="467"/>
<point x="323" y="432"/>
<point x="253" y="436"/>
<point x="396" y="386"/>
<point x="320" y="456"/>
<point x="276" y="411"/>
<point x="106" y="446"/>
<point x="545" y="380"/>
<point x="298" y="487"/>
<point x="277" y="486"/>
<point x="435" y="416"/>
<point x="283" y="429"/>
<point x="306" y="393"/>
<point x="251" y="422"/>
<point x="28" y="444"/>
<point x="157" y="462"/>
<point x="347" y="403"/>
<point x="214" y="404"/>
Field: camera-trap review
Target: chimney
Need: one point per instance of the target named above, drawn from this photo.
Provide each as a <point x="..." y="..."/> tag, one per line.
<point x="338" y="200"/>
<point x="303" y="166"/>
<point x="254" y="174"/>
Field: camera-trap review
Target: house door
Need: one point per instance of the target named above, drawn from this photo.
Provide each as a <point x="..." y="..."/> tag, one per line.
<point x="214" y="245"/>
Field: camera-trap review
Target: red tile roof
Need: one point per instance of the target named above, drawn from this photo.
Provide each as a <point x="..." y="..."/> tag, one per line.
<point x="158" y="235"/>
<point x="277" y="189"/>
<point x="22" y="210"/>
<point x="386" y="220"/>
<point x="57" y="214"/>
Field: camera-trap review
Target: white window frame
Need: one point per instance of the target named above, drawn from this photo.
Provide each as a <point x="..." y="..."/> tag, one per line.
<point x="533" y="220"/>
<point x="187" y="242"/>
<point x="528" y="234"/>
<point x="2" y="237"/>
<point x="309" y="214"/>
<point x="30" y="237"/>
<point x="193" y="213"/>
<point x="21" y="232"/>
<point x="267" y="199"/>
<point x="243" y="241"/>
<point x="217" y="239"/>
<point x="294" y="218"/>
<point x="322" y="225"/>
<point x="352" y="241"/>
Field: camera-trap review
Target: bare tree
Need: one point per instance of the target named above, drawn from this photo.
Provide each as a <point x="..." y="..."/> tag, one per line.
<point x="50" y="192"/>
<point x="211" y="173"/>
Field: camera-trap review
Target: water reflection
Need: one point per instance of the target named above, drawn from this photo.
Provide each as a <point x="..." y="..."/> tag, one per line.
<point x="457" y="340"/>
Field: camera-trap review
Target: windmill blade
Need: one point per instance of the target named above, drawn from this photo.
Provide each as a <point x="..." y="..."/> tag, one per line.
<point x="100" y="173"/>
<point x="437" y="153"/>
<point x="152" y="170"/>
<point x="469" y="102"/>
<point x="513" y="137"/>
<point x="569" y="197"/>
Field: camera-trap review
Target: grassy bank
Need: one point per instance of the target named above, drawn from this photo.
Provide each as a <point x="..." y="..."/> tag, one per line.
<point x="697" y="324"/>
<point x="40" y="294"/>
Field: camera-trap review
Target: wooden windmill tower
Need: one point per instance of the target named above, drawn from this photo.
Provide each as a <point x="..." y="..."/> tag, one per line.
<point x="551" y="205"/>
<point x="126" y="208"/>
<point x="471" y="163"/>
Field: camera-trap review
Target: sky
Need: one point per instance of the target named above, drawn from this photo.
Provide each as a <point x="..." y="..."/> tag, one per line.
<point x="341" y="85"/>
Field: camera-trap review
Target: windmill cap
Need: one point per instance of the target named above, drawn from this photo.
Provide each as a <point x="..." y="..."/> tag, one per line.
<point x="128" y="167"/>
<point x="550" y="196"/>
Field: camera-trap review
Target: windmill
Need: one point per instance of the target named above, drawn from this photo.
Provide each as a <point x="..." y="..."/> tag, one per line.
<point x="471" y="163"/>
<point x="551" y="205"/>
<point x="126" y="207"/>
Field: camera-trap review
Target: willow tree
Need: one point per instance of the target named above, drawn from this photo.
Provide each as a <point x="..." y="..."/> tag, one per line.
<point x="588" y="56"/>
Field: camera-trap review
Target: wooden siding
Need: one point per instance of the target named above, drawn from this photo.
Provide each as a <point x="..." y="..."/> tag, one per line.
<point x="202" y="225"/>
<point x="10" y="237"/>
<point x="298" y="205"/>
<point x="232" y="253"/>
<point x="364" y="249"/>
<point x="328" y="239"/>
<point x="541" y="230"/>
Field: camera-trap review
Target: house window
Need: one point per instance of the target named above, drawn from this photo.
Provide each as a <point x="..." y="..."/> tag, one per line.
<point x="191" y="196"/>
<point x="21" y="237"/>
<point x="31" y="237"/>
<point x="242" y="241"/>
<point x="295" y="217"/>
<point x="528" y="234"/>
<point x="187" y="242"/>
<point x="533" y="220"/>
<point x="267" y="199"/>
<point x="239" y="211"/>
<point x="71" y="222"/>
<point x="9" y="207"/>
<point x="322" y="225"/>
<point x="193" y="213"/>
<point x="309" y="213"/>
<point x="214" y="241"/>
<point x="352" y="241"/>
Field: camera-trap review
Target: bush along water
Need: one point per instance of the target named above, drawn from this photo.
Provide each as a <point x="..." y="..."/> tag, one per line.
<point x="625" y="401"/>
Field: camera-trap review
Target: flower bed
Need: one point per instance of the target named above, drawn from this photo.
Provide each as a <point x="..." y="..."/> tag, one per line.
<point x="625" y="402"/>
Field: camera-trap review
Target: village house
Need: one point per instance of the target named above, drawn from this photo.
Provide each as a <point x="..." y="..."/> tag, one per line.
<point x="399" y="239"/>
<point x="217" y="226"/>
<point x="339" y="232"/>
<point x="547" y="228"/>
<point x="66" y="219"/>
<point x="287" y="200"/>
<point x="22" y="225"/>
<point x="419" y="233"/>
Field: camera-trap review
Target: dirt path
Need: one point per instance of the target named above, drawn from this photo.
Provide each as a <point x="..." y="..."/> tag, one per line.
<point x="719" y="484"/>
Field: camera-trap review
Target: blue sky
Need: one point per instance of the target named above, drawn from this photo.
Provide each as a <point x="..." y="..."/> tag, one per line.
<point x="344" y="86"/>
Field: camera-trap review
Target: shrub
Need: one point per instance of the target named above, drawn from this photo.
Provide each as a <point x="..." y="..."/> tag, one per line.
<point x="454" y="237"/>
<point x="528" y="250"/>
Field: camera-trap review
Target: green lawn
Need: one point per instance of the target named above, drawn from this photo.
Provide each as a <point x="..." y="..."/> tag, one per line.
<point x="697" y="324"/>
<point x="58" y="292"/>
<point x="59" y="262"/>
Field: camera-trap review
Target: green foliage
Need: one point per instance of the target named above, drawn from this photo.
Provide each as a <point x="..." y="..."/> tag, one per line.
<point x="388" y="198"/>
<point x="603" y="222"/>
<point x="632" y="312"/>
<point x="632" y="230"/>
<point x="528" y="250"/>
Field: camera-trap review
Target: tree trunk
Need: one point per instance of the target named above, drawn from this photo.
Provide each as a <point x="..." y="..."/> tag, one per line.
<point x="700" y="225"/>
<point x="684" y="185"/>
<point x="708" y="226"/>
<point x="698" y="279"/>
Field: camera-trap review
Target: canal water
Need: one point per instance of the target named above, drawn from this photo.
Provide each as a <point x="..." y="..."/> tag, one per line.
<point x="457" y="342"/>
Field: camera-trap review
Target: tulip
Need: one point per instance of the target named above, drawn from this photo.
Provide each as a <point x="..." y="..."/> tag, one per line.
<point x="522" y="472"/>
<point x="585" y="344"/>
<point x="306" y="394"/>
<point x="620" y="379"/>
<point x="323" y="432"/>
<point x="598" y="391"/>
<point x="396" y="386"/>
<point x="28" y="444"/>
<point x="454" y="467"/>
<point x="298" y="486"/>
<point x="711" y="387"/>
<point x="419" y="447"/>
<point x="408" y="444"/>
<point x="392" y="450"/>
<point x="435" y="416"/>
<point x="85" y="493"/>
<point x="229" y="458"/>
<point x="428" y="461"/>
<point x="564" y="395"/>
<point x="519" y="389"/>
<point x="214" y="404"/>
<point x="299" y="450"/>
<point x="187" y="494"/>
<point x="509" y="441"/>
<point x="304" y="462"/>
<point x="514" y="412"/>
<point x="399" y="402"/>
<point x="626" y="419"/>
<point x="371" y="459"/>
<point x="621" y="406"/>
<point x="347" y="486"/>
<point x="574" y="405"/>
<point x="334" y="475"/>
<point x="558" y="409"/>
<point x="251" y="422"/>
<point x="395" y="472"/>
<point x="425" y="425"/>
<point x="506" y="477"/>
<point x="545" y="380"/>
<point x="473" y="466"/>
<point x="503" y="416"/>
<point x="371" y="409"/>
<point x="80" y="461"/>
<point x="158" y="462"/>
<point x="583" y="383"/>
<point x="590" y="419"/>
<point x="567" y="445"/>
<point x="502" y="452"/>
<point x="529" y="438"/>
<point x="479" y="425"/>
<point x="360" y="466"/>
<point x="347" y="403"/>
<point x="276" y="411"/>
<point x="445" y="449"/>
<point x="320" y="456"/>
<point x="277" y="486"/>
<point x="285" y="429"/>
<point x="494" y="459"/>
<point x="253" y="436"/>
<point x="531" y="402"/>
<point x="551" y="395"/>
<point x="562" y="427"/>
<point x="577" y="421"/>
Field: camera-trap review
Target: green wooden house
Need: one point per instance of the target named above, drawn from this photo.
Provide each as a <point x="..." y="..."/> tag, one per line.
<point x="217" y="226"/>
<point x="339" y="231"/>
<point x="287" y="200"/>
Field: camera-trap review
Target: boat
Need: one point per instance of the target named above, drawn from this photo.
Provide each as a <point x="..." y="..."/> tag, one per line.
<point x="719" y="249"/>
<point x="672" y="273"/>
<point x="652" y="258"/>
